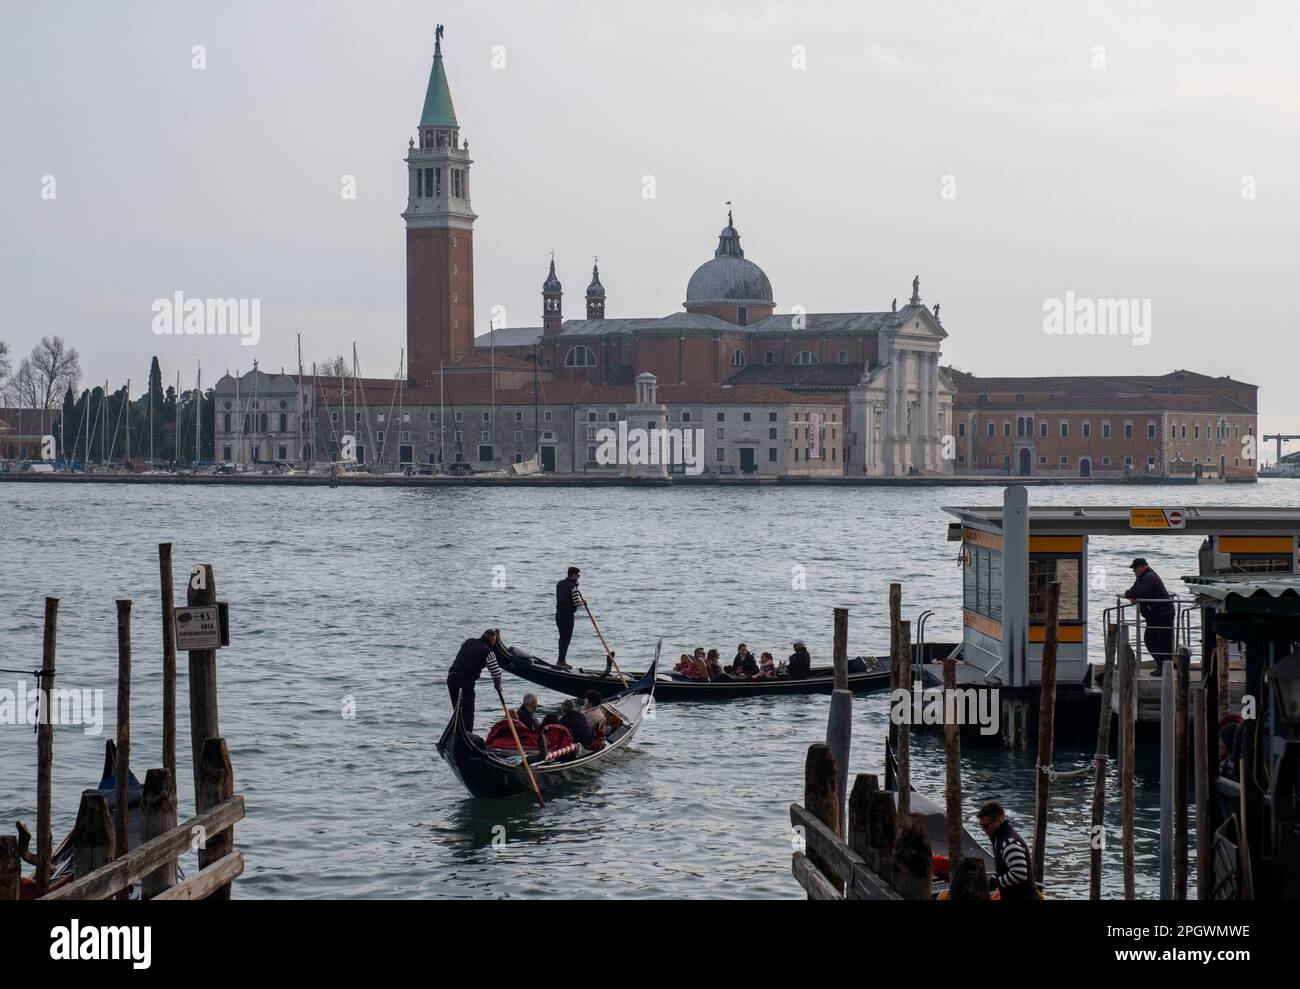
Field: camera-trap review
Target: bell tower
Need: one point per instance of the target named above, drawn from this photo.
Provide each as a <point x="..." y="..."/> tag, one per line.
<point x="439" y="235"/>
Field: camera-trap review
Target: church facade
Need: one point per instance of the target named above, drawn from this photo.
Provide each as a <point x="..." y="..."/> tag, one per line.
<point x="880" y="370"/>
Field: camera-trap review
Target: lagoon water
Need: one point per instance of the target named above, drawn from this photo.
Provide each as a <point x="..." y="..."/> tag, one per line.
<point x="365" y="595"/>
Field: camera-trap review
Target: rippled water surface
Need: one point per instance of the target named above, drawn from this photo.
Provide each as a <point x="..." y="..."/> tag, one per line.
<point x="367" y="593"/>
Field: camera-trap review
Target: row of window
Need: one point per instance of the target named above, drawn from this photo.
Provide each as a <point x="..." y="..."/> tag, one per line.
<point x="581" y="356"/>
<point x="1025" y="427"/>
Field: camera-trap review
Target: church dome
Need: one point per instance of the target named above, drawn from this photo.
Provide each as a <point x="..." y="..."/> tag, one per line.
<point x="728" y="278"/>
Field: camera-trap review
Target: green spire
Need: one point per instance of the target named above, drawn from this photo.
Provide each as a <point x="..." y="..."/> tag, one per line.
<point x="438" y="108"/>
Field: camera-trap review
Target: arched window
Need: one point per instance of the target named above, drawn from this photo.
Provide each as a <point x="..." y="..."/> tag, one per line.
<point x="805" y="357"/>
<point x="580" y="357"/>
<point x="737" y="358"/>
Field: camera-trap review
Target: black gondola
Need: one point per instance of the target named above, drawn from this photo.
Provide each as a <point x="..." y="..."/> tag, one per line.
<point x="489" y="773"/>
<point x="673" y="687"/>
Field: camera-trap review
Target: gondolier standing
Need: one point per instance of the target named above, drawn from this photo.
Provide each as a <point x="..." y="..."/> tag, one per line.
<point x="474" y="654"/>
<point x="1157" y="610"/>
<point x="567" y="603"/>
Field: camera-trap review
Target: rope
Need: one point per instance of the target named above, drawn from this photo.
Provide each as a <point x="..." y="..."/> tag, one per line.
<point x="1063" y="774"/>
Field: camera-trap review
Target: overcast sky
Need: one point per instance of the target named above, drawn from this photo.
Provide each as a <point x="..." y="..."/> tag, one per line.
<point x="1101" y="149"/>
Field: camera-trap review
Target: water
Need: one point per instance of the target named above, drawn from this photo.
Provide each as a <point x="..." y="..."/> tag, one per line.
<point x="367" y="593"/>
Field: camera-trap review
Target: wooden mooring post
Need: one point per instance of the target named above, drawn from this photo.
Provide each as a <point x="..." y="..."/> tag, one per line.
<point x="895" y="623"/>
<point x="11" y="868"/>
<point x="1100" y="764"/>
<point x="121" y="795"/>
<point x="169" y="659"/>
<point x="1128" y="730"/>
<point x="839" y="723"/>
<point x="216" y="786"/>
<point x="202" y="591"/>
<point x="45" y="751"/>
<point x="93" y="843"/>
<point x="904" y="729"/>
<point x="1182" y="674"/>
<point x="157" y="817"/>
<point x="952" y="764"/>
<point x="820" y="797"/>
<point x="1200" y="717"/>
<point x="1046" y="727"/>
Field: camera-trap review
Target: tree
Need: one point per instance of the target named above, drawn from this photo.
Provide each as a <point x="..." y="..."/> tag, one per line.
<point x="6" y="368"/>
<point x="43" y="377"/>
<point x="335" y="367"/>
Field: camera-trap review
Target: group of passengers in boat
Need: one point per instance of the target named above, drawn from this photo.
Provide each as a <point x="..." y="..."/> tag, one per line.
<point x="706" y="665"/>
<point x="559" y="735"/>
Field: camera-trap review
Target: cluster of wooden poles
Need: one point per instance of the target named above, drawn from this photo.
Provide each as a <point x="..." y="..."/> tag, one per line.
<point x="102" y="865"/>
<point x="872" y="845"/>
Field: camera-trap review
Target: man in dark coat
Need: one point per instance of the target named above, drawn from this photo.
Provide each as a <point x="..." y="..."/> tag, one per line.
<point x="1012" y="874"/>
<point x="474" y="654"/>
<point x="800" y="660"/>
<point x="1157" y="610"/>
<point x="567" y="602"/>
<point x="527" y="713"/>
<point x="577" y="723"/>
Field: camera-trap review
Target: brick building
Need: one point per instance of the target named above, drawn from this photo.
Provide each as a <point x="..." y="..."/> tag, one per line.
<point x="1178" y="424"/>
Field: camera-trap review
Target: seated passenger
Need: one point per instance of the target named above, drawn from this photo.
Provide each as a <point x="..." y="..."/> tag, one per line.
<point x="685" y="665"/>
<point x="800" y="660"/>
<point x="576" y="722"/>
<point x="766" y="667"/>
<point x="715" y="666"/>
<point x="744" y="664"/>
<point x="527" y="713"/>
<point x="591" y="710"/>
<point x="700" y="663"/>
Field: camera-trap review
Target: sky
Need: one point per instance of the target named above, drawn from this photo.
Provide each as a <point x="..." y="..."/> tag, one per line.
<point x="1007" y="153"/>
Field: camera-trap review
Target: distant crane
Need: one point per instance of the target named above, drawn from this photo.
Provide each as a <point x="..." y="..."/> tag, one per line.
<point x="1281" y="438"/>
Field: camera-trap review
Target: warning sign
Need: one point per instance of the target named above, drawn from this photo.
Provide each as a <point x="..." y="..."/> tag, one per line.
<point x="1157" y="518"/>
<point x="198" y="628"/>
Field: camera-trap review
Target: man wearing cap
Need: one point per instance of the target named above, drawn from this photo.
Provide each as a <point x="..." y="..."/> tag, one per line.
<point x="1157" y="610"/>
<point x="800" y="661"/>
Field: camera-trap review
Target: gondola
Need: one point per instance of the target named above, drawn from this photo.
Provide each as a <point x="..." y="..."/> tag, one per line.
<point x="672" y="687"/>
<point x="61" y="871"/>
<point x="498" y="773"/>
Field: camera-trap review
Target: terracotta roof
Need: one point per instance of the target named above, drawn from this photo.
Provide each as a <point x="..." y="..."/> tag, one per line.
<point x="833" y="376"/>
<point x="1172" y="381"/>
<point x="1106" y="402"/>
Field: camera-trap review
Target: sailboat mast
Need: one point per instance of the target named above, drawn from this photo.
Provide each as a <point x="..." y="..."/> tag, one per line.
<point x="302" y="420"/>
<point x="198" y="417"/>
<point x="128" y="420"/>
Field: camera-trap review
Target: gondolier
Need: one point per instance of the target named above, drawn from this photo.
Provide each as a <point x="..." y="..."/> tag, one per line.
<point x="567" y="603"/>
<point x="1012" y="875"/>
<point x="465" y="669"/>
<point x="1157" y="610"/>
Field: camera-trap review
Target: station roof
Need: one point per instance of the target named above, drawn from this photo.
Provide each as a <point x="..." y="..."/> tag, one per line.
<point x="1103" y="520"/>
<point x="1223" y="588"/>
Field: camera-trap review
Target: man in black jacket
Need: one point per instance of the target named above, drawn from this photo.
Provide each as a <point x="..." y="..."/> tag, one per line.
<point x="567" y="602"/>
<point x="800" y="660"/>
<point x="577" y="723"/>
<point x="474" y="654"/>
<point x="1013" y="876"/>
<point x="1157" y="612"/>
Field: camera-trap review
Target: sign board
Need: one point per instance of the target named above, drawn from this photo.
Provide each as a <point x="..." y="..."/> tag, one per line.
<point x="815" y="420"/>
<point x="197" y="628"/>
<point x="1157" y="518"/>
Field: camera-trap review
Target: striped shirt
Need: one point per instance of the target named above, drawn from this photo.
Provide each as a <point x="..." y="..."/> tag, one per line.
<point x="1011" y="860"/>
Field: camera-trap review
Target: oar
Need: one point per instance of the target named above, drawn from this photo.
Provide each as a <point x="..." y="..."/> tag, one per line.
<point x="505" y="708"/>
<point x="608" y="652"/>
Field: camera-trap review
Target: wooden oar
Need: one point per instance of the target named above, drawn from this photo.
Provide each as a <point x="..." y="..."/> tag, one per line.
<point x="608" y="652"/>
<point x="505" y="708"/>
